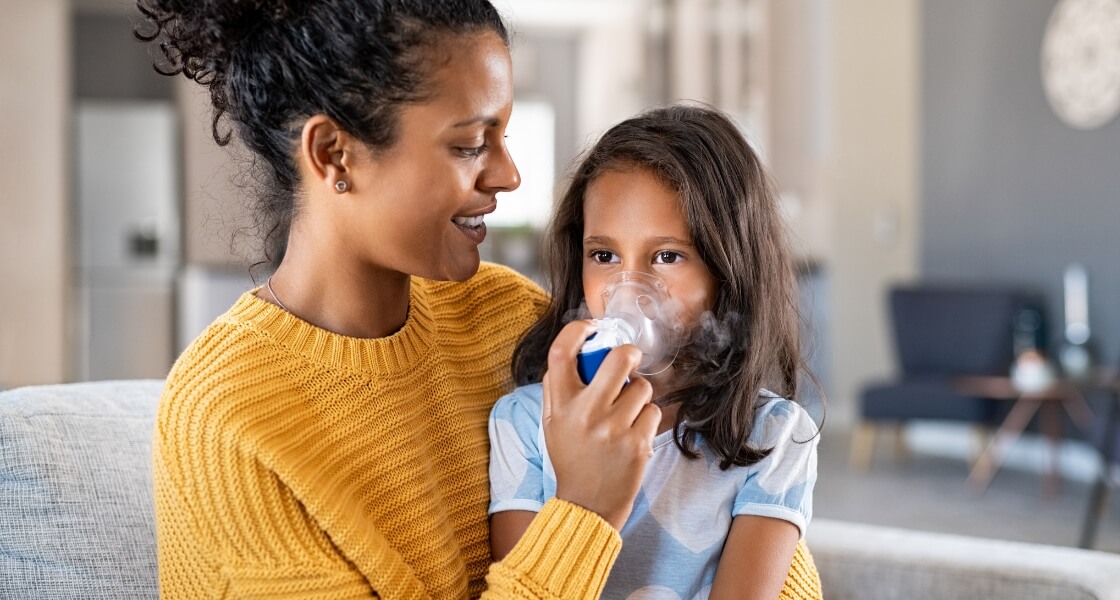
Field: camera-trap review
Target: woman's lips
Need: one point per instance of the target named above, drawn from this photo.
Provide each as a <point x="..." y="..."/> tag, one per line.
<point x="472" y="227"/>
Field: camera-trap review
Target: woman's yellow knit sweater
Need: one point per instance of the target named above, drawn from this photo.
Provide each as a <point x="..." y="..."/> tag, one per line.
<point x="293" y="462"/>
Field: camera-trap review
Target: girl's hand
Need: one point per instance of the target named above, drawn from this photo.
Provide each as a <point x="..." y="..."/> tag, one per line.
<point x="599" y="436"/>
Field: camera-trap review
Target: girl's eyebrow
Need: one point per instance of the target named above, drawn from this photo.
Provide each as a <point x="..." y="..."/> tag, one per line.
<point x="603" y="240"/>
<point x="670" y="240"/>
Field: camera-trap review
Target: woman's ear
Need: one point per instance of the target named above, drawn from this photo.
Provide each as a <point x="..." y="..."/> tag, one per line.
<point x="323" y="151"/>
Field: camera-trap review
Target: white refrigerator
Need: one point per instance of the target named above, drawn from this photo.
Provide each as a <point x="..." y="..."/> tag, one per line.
<point x="128" y="239"/>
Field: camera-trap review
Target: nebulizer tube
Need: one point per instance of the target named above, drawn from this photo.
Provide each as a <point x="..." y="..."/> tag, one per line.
<point x="637" y="311"/>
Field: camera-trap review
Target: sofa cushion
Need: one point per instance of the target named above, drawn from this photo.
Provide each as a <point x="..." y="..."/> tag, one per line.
<point x="870" y="562"/>
<point x="76" y="512"/>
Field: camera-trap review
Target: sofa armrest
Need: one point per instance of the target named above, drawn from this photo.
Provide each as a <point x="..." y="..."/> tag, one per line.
<point x="76" y="511"/>
<point x="872" y="562"/>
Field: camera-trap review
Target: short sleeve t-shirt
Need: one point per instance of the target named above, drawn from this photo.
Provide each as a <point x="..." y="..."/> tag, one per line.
<point x="681" y="517"/>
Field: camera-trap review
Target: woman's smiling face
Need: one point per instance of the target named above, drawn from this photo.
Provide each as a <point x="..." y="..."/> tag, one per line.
<point x="418" y="206"/>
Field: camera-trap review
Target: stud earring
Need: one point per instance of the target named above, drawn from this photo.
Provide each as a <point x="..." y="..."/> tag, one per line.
<point x="340" y="186"/>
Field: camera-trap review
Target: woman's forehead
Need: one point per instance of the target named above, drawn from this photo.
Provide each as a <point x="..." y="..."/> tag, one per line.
<point x="473" y="82"/>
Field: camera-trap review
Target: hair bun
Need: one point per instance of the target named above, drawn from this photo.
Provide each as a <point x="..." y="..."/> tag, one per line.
<point x="198" y="36"/>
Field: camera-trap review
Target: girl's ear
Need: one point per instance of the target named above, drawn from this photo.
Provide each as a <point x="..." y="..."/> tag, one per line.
<point x="324" y="153"/>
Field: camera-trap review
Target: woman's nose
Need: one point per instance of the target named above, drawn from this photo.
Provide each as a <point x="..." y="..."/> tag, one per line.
<point x="501" y="174"/>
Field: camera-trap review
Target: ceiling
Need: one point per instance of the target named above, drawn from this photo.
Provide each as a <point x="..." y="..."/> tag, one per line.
<point x="554" y="13"/>
<point x="115" y="7"/>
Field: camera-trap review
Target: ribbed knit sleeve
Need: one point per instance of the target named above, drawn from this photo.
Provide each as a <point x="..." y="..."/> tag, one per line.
<point x="802" y="582"/>
<point x="566" y="552"/>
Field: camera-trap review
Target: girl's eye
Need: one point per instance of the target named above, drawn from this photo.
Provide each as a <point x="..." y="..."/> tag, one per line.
<point x="666" y="257"/>
<point x="602" y="256"/>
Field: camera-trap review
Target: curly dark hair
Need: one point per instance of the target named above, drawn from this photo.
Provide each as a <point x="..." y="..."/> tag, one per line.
<point x="269" y="65"/>
<point x="751" y="339"/>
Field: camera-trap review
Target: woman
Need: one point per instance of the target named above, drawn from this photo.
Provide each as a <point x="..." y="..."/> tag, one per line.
<point x="326" y="437"/>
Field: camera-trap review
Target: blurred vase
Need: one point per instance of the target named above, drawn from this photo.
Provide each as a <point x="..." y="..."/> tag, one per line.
<point x="1075" y="355"/>
<point x="1031" y="372"/>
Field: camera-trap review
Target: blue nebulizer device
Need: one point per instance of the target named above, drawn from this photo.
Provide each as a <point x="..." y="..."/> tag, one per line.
<point x="639" y="312"/>
<point x="609" y="333"/>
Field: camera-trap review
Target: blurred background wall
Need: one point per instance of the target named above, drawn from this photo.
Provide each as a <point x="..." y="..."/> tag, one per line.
<point x="1009" y="191"/>
<point x="828" y="97"/>
<point x="910" y="139"/>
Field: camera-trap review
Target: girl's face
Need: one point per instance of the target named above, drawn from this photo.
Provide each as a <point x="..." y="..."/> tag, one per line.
<point x="634" y="222"/>
<point x="420" y="204"/>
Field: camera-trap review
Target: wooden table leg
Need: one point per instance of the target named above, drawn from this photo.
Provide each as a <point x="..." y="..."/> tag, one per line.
<point x="1098" y="498"/>
<point x="1052" y="427"/>
<point x="863" y="445"/>
<point x="1079" y="410"/>
<point x="1009" y="431"/>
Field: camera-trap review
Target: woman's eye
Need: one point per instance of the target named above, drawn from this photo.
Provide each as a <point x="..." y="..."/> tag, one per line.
<point x="667" y="257"/>
<point x="472" y="151"/>
<point x="602" y="256"/>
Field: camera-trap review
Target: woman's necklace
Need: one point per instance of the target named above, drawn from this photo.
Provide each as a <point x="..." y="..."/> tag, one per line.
<point x="268" y="284"/>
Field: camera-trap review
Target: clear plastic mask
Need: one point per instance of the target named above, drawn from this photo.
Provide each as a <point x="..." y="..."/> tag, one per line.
<point x="639" y="312"/>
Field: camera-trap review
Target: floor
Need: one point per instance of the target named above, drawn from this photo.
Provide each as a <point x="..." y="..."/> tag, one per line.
<point x="928" y="492"/>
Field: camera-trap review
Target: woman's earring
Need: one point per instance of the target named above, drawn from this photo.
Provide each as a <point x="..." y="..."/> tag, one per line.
<point x="340" y="186"/>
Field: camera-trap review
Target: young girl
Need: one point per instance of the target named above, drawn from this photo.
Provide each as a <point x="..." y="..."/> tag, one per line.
<point x="677" y="194"/>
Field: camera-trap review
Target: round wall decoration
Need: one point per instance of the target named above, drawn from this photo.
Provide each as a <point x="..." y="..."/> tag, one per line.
<point x="1081" y="62"/>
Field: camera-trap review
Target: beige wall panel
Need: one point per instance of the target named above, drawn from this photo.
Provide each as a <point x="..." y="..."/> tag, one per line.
<point x="34" y="194"/>
<point x="874" y="183"/>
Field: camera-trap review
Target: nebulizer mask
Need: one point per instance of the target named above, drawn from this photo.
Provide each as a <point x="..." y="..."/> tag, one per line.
<point x="639" y="312"/>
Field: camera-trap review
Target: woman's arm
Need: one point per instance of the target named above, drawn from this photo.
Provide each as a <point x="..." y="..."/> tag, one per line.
<point x="756" y="558"/>
<point x="567" y="552"/>
<point x="599" y="440"/>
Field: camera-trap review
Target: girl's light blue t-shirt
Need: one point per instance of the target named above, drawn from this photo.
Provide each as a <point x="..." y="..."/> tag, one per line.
<point x="675" y="535"/>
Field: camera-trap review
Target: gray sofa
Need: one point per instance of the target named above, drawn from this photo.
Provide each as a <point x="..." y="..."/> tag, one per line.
<point x="76" y="518"/>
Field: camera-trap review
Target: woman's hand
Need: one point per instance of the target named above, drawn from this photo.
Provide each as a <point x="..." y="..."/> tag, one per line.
<point x="599" y="436"/>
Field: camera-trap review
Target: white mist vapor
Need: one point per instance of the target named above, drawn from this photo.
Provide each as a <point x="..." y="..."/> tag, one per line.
<point x="713" y="335"/>
<point x="575" y="314"/>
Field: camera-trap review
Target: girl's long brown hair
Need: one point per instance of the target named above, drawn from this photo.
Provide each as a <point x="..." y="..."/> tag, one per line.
<point x="751" y="340"/>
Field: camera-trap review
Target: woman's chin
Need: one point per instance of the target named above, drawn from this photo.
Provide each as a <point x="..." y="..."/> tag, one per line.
<point x="460" y="269"/>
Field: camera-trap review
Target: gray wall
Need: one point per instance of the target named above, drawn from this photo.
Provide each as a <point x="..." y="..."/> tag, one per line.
<point x="109" y="63"/>
<point x="1010" y="194"/>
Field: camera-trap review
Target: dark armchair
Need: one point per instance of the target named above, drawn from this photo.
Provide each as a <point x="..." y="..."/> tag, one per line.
<point x="940" y="333"/>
